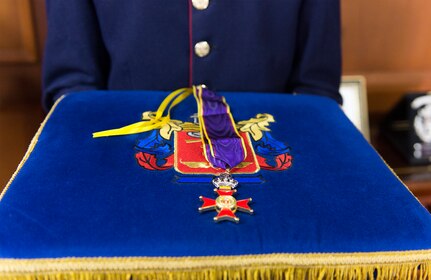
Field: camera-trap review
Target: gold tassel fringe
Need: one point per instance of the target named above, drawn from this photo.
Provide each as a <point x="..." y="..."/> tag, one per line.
<point x="256" y="271"/>
<point x="405" y="271"/>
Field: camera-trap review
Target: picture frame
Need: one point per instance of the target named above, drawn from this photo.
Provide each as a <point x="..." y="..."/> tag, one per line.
<point x="354" y="92"/>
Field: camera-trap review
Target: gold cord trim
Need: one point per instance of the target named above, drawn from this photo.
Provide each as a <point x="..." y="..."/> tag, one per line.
<point x="399" y="179"/>
<point x="31" y="147"/>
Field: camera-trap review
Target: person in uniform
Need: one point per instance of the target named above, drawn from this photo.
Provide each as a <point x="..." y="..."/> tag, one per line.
<point x="290" y="46"/>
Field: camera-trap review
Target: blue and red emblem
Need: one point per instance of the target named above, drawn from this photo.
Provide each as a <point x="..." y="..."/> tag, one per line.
<point x="178" y="145"/>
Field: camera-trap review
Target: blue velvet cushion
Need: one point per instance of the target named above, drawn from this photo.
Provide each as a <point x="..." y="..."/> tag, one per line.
<point x="76" y="196"/>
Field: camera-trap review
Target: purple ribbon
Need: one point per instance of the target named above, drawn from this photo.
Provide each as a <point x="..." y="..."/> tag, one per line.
<point x="219" y="130"/>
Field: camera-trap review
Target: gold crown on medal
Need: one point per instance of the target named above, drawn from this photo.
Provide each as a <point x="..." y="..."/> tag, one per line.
<point x="224" y="181"/>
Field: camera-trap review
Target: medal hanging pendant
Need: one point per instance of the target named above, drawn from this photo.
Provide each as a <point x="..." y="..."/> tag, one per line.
<point x="223" y="148"/>
<point x="225" y="204"/>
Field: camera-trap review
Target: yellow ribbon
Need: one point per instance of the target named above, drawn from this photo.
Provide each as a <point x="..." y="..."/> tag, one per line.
<point x="159" y="121"/>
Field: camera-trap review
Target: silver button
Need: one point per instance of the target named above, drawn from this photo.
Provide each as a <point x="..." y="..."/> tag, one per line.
<point x="202" y="48"/>
<point x="200" y="4"/>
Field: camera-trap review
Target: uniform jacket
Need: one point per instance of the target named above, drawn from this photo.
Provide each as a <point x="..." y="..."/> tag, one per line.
<point x="255" y="45"/>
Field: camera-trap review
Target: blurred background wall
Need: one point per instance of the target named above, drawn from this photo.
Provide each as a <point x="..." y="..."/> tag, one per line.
<point x="387" y="41"/>
<point x="22" y="33"/>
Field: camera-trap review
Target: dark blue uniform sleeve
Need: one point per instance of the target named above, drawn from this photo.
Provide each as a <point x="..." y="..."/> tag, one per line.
<point x="75" y="56"/>
<point x="317" y="66"/>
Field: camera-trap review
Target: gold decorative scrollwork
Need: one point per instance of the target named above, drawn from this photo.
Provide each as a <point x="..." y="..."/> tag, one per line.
<point x="255" y="126"/>
<point x="167" y="129"/>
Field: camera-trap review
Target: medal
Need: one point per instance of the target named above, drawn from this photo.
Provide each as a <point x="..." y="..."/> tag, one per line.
<point x="225" y="204"/>
<point x="223" y="148"/>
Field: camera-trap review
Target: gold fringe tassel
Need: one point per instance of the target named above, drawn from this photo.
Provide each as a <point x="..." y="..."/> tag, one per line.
<point x="403" y="271"/>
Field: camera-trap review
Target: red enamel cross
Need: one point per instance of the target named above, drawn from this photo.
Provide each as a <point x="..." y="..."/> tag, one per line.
<point x="225" y="204"/>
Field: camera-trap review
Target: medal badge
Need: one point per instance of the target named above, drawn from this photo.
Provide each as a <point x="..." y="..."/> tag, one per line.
<point x="225" y="204"/>
<point x="224" y="148"/>
<point x="211" y="145"/>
